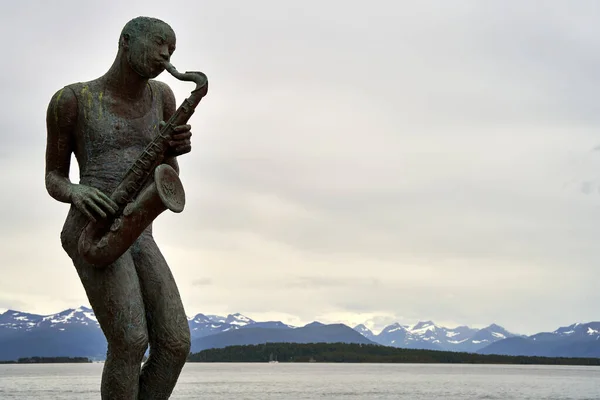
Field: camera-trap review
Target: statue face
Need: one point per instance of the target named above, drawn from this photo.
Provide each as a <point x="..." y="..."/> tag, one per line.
<point x="148" y="50"/>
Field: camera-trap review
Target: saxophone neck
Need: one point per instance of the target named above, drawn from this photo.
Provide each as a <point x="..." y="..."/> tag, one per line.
<point x="199" y="78"/>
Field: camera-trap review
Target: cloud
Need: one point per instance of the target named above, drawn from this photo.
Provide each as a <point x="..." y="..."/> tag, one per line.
<point x="202" y="282"/>
<point x="331" y="282"/>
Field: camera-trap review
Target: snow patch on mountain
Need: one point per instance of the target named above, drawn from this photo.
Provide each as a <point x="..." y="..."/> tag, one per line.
<point x="199" y="318"/>
<point x="216" y="318"/>
<point x="591" y="331"/>
<point x="238" y="319"/>
<point x="422" y="328"/>
<point x="15" y="320"/>
<point x="81" y="315"/>
<point x="398" y="328"/>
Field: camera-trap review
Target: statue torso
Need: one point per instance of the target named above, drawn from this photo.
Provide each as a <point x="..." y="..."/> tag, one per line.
<point x="108" y="136"/>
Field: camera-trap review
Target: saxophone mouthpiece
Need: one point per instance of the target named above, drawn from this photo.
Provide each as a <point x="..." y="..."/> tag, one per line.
<point x="170" y="68"/>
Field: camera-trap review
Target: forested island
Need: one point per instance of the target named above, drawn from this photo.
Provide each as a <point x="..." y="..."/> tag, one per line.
<point x="363" y="353"/>
<point x="48" y="360"/>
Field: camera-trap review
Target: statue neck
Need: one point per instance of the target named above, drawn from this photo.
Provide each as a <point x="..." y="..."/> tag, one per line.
<point x="122" y="80"/>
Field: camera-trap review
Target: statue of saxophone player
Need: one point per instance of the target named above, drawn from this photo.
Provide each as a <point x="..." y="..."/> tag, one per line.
<point x="110" y="124"/>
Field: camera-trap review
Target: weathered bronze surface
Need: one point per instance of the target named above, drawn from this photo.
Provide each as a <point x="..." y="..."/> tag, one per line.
<point x="126" y="134"/>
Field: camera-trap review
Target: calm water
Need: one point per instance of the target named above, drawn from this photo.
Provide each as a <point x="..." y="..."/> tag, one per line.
<point x="320" y="381"/>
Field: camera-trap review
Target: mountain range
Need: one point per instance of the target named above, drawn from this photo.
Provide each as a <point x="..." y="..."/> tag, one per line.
<point x="427" y="335"/>
<point x="76" y="333"/>
<point x="577" y="340"/>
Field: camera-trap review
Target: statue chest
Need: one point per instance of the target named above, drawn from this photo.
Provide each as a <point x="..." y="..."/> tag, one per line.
<point x="113" y="133"/>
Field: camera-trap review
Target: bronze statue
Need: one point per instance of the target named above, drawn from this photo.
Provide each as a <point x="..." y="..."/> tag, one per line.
<point x="126" y="133"/>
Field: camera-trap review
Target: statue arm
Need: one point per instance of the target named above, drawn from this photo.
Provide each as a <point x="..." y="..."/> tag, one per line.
<point x="61" y="117"/>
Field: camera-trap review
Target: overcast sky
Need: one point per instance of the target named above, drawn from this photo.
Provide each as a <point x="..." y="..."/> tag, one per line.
<point x="379" y="162"/>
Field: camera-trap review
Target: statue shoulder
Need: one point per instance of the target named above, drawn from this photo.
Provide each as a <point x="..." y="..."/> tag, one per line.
<point x="166" y="95"/>
<point x="62" y="109"/>
<point x="165" y="90"/>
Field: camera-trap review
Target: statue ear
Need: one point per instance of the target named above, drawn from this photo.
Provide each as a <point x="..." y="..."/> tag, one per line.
<point x="125" y="41"/>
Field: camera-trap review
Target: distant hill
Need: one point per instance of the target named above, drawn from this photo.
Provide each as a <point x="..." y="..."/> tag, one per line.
<point x="577" y="340"/>
<point x="308" y="334"/>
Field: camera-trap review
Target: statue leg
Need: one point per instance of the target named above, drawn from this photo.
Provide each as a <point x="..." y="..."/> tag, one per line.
<point x="168" y="328"/>
<point x="116" y="298"/>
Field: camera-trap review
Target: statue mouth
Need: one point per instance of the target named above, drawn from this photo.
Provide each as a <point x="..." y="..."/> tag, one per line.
<point x="158" y="67"/>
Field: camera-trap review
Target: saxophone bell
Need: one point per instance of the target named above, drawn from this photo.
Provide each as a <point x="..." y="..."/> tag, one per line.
<point x="165" y="192"/>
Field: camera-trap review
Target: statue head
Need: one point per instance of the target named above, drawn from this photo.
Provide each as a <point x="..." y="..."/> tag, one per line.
<point x="147" y="43"/>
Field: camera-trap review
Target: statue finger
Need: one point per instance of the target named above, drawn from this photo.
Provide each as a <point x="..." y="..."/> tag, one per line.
<point x="182" y="136"/>
<point x="81" y="207"/>
<point x="107" y="200"/>
<point x="182" y="128"/>
<point x="176" y="144"/>
<point x="101" y="200"/>
<point x="91" y="204"/>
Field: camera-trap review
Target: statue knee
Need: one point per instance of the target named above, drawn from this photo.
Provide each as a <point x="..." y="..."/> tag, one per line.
<point x="132" y="346"/>
<point x="181" y="347"/>
<point x="178" y="347"/>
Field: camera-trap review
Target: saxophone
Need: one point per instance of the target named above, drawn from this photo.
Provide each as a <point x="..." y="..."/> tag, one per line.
<point x="147" y="189"/>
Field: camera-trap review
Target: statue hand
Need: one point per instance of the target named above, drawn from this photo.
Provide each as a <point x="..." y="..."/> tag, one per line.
<point x="92" y="202"/>
<point x="180" y="142"/>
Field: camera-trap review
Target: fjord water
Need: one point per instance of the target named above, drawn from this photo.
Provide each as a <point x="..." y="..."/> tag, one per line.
<point x="315" y="380"/>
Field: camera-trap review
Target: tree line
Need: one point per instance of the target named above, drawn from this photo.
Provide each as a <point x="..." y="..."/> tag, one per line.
<point x="48" y="360"/>
<point x="363" y="353"/>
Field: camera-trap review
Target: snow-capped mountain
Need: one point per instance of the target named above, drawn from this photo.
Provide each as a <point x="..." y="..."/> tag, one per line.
<point x="70" y="333"/>
<point x="81" y="315"/>
<point x="200" y="325"/>
<point x="203" y="325"/>
<point x="589" y="330"/>
<point x="366" y="332"/>
<point x="428" y="335"/>
<point x="238" y="320"/>
<point x="16" y="320"/>
<point x="392" y="335"/>
<point x="199" y="319"/>
<point x="488" y="335"/>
